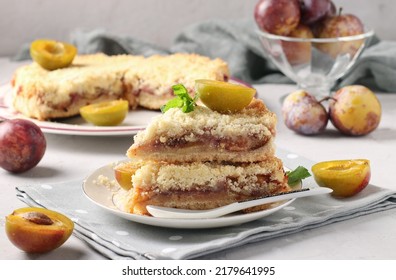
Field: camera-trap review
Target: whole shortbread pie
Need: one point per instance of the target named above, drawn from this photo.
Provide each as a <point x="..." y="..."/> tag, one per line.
<point x="205" y="159"/>
<point x="147" y="82"/>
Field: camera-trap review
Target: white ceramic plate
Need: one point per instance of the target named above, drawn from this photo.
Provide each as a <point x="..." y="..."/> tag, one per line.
<point x="136" y="120"/>
<point x="103" y="196"/>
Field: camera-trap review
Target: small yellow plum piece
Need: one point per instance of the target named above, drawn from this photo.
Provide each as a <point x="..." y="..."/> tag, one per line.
<point x="51" y="54"/>
<point x="123" y="173"/>
<point x="224" y="97"/>
<point x="345" y="177"/>
<point x="37" y="230"/>
<point x="107" y="113"/>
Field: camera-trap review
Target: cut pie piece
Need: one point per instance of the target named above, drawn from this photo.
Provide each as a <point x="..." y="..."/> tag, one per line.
<point x="206" y="135"/>
<point x="146" y="82"/>
<point x="203" y="185"/>
<point x="44" y="94"/>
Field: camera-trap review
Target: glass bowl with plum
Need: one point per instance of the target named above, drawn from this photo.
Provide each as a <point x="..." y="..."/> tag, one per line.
<point x="310" y="41"/>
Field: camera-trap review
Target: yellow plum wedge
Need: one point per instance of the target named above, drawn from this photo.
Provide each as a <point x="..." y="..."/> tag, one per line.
<point x="345" y="177"/>
<point x="224" y="97"/>
<point x="52" y="55"/>
<point x="107" y="113"/>
<point x="123" y="173"/>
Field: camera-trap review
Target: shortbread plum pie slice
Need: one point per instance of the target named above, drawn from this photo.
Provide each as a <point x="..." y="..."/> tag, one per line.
<point x="203" y="185"/>
<point x="206" y="135"/>
<point x="193" y="157"/>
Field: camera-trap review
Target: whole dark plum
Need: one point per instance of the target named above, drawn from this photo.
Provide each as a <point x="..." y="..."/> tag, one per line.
<point x="22" y="145"/>
<point x="278" y="17"/>
<point x="303" y="114"/>
<point x="314" y="10"/>
<point x="342" y="25"/>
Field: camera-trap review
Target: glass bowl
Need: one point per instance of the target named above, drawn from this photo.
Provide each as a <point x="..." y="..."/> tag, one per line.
<point x="314" y="64"/>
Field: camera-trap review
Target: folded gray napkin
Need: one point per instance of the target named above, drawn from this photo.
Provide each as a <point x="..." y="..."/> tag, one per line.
<point x="237" y="43"/>
<point x="117" y="238"/>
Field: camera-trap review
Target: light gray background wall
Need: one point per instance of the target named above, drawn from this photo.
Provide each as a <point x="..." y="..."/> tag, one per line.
<point x="155" y="21"/>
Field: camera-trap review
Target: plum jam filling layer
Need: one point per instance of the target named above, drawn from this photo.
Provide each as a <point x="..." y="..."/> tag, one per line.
<point x="228" y="144"/>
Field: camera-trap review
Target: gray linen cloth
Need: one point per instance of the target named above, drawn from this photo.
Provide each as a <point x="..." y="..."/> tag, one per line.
<point x="118" y="238"/>
<point x="237" y="43"/>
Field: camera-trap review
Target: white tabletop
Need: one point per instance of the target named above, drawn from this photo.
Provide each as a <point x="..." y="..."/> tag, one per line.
<point x="369" y="237"/>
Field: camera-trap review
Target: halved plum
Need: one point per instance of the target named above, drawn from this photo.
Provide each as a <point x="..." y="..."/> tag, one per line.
<point x="107" y="113"/>
<point x="345" y="177"/>
<point x="123" y="173"/>
<point x="51" y="54"/>
<point x="224" y="97"/>
<point x="38" y="230"/>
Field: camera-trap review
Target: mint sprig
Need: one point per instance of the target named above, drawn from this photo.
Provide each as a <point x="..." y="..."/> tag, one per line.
<point x="182" y="100"/>
<point x="298" y="174"/>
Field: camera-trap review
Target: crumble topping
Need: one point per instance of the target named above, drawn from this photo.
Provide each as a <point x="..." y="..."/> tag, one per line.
<point x="80" y="78"/>
<point x="106" y="181"/>
<point x="174" y="124"/>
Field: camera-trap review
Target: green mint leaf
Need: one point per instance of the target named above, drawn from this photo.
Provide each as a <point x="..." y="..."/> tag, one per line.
<point x="182" y="100"/>
<point x="186" y="108"/>
<point x="173" y="103"/>
<point x="297" y="175"/>
<point x="180" y="90"/>
<point x="189" y="105"/>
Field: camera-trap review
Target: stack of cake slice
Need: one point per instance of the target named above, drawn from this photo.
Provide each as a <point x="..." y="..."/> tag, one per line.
<point x="205" y="159"/>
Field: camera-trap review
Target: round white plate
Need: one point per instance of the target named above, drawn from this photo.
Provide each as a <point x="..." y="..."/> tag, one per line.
<point x="135" y="121"/>
<point x="103" y="196"/>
